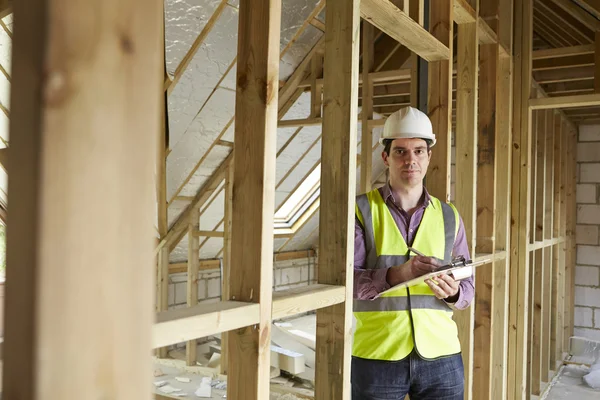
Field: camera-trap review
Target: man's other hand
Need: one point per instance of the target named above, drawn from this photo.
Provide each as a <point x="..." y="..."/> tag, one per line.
<point x="444" y="287"/>
<point x="411" y="269"/>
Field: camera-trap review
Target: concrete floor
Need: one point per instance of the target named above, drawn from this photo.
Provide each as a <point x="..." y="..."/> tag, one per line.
<point x="570" y="385"/>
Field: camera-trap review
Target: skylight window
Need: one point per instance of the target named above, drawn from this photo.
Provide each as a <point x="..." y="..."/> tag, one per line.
<point x="299" y="201"/>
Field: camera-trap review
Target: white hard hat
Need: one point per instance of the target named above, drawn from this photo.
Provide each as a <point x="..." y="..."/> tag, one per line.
<point x="408" y="123"/>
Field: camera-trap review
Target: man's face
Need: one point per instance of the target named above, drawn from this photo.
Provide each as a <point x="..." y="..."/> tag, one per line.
<point x="408" y="161"/>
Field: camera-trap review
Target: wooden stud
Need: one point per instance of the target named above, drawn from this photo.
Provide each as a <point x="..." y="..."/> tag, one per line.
<point x="192" y="279"/>
<point x="338" y="182"/>
<point x="564" y="177"/>
<point x="162" y="289"/>
<point x="466" y="168"/>
<point x="500" y="292"/>
<point x="579" y="14"/>
<point x="583" y="100"/>
<point x="464" y="13"/>
<point x="440" y="102"/>
<point x="366" y="144"/>
<point x="556" y="306"/>
<point x="251" y="269"/>
<point x="571" y="213"/>
<point x="316" y="90"/>
<point x="597" y="63"/>
<point x="397" y="24"/>
<point x="226" y="269"/>
<point x="416" y="12"/>
<point x="486" y="206"/>
<point x="75" y="247"/>
<point x="520" y="207"/>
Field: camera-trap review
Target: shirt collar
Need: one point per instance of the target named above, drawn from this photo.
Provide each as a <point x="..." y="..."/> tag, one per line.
<point x="388" y="194"/>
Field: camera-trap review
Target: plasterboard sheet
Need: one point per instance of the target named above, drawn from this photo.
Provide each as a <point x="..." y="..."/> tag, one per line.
<point x="302" y="169"/>
<point x="202" y="75"/>
<point x="4" y="92"/>
<point x="174" y="211"/>
<point x="6" y="51"/>
<point x="283" y="135"/>
<point x="184" y="20"/>
<point x="4" y="128"/>
<point x="294" y="151"/>
<point x="198" y="138"/>
<point x="216" y="157"/>
<point x="230" y="133"/>
<point x="293" y="15"/>
<point x="298" y="51"/>
<point x="299" y="239"/>
<point x="8" y="21"/>
<point x="234" y="3"/>
<point x="179" y="253"/>
<point x="229" y="79"/>
<point x="280" y="196"/>
<point x="213" y="214"/>
<point x="3" y="186"/>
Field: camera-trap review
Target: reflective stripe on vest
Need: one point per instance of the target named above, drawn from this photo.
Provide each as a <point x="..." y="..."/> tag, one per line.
<point x="388" y="326"/>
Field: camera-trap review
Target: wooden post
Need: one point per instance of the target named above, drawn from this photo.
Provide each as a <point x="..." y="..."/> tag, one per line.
<point x="557" y="285"/>
<point x="500" y="292"/>
<point x="338" y="182"/>
<point x="162" y="289"/>
<point x="520" y="207"/>
<point x="440" y="101"/>
<point x="466" y="168"/>
<point x="366" y="144"/>
<point x="226" y="265"/>
<point x="251" y="270"/>
<point x="571" y="215"/>
<point x="192" y="278"/>
<point x="79" y="287"/>
<point x="597" y="62"/>
<point x="416" y="12"/>
<point x="486" y="221"/>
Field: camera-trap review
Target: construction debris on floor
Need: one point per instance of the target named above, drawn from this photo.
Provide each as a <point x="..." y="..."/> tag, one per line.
<point x="292" y="366"/>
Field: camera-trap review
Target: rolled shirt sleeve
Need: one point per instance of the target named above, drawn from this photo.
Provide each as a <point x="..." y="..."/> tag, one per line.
<point x="368" y="283"/>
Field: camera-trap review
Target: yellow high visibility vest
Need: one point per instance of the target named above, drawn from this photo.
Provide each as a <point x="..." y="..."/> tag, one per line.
<point x="391" y="326"/>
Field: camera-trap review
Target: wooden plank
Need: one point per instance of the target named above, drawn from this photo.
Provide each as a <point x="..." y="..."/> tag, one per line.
<point x="291" y="123"/>
<point x="583" y="100"/>
<point x="500" y="292"/>
<point x="561" y="23"/>
<point x="316" y="90"/>
<point x="416" y="12"/>
<point x="192" y="279"/>
<point x="486" y="33"/>
<point x="251" y="269"/>
<point x="397" y="24"/>
<point x="366" y="152"/>
<point x="463" y="12"/>
<point x="563" y="52"/>
<point x="564" y="177"/>
<point x="556" y="307"/>
<point x="485" y="221"/>
<point x="162" y="289"/>
<point x="76" y="247"/>
<point x="548" y="211"/>
<point x="466" y="168"/>
<point x="183" y="324"/>
<point x="571" y="214"/>
<point x="338" y="182"/>
<point x="440" y="102"/>
<point x="226" y="265"/>
<point x="578" y="13"/>
<point x="287" y="303"/>
<point x="199" y="233"/>
<point x="520" y="207"/>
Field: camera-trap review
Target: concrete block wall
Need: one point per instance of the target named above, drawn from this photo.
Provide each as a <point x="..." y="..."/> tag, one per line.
<point x="286" y="275"/>
<point x="587" y="270"/>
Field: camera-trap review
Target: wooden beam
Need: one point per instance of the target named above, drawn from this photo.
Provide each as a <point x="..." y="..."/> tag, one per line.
<point x="583" y="100"/>
<point x="397" y="24"/>
<point x="578" y="13"/>
<point x="520" y="207"/>
<point x="466" y="168"/>
<point x="463" y="12"/>
<point x="591" y="6"/>
<point x="183" y="324"/>
<point x="486" y="33"/>
<point x="597" y="63"/>
<point x="6" y="7"/>
<point x="199" y="233"/>
<point x="251" y="270"/>
<point x="338" y="182"/>
<point x="366" y="152"/>
<point x="74" y="246"/>
<point x="563" y="52"/>
<point x="287" y="303"/>
<point x="440" y="101"/>
<point x="564" y="62"/>
<point x="162" y="289"/>
<point x="192" y="279"/>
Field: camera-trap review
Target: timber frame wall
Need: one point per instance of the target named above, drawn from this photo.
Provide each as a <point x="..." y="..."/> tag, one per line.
<point x="521" y="218"/>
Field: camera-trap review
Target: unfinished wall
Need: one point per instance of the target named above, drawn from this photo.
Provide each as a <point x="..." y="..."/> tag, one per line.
<point x="287" y="274"/>
<point x="587" y="273"/>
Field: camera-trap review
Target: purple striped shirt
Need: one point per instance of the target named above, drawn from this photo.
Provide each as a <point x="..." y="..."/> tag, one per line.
<point x="369" y="282"/>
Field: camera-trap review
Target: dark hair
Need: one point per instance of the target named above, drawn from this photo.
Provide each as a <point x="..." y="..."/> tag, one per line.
<point x="387" y="144"/>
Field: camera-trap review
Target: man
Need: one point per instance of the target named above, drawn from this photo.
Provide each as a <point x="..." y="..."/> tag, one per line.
<point x="405" y="341"/>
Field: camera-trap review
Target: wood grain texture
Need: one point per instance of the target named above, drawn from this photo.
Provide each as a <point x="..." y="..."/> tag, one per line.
<point x="397" y="24"/>
<point x="556" y="306"/>
<point x="439" y="102"/>
<point x="193" y="261"/>
<point x="582" y="100"/>
<point x="466" y="171"/>
<point x="287" y="303"/>
<point x="520" y="207"/>
<point x="79" y="253"/>
<point x="226" y="264"/>
<point x="251" y="269"/>
<point x="338" y="182"/>
<point x="464" y="13"/>
<point x="366" y="144"/>
<point x="162" y="288"/>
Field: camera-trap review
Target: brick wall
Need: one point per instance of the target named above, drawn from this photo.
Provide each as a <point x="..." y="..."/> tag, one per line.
<point x="587" y="271"/>
<point x="286" y="275"/>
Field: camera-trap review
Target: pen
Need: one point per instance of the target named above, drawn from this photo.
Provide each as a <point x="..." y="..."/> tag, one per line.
<point x="417" y="252"/>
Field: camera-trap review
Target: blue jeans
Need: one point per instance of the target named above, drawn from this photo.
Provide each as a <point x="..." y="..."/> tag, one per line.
<point x="440" y="379"/>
